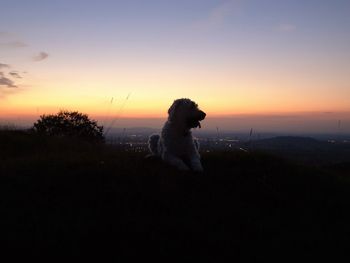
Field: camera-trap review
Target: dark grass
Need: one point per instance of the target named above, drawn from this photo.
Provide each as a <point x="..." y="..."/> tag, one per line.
<point x="63" y="197"/>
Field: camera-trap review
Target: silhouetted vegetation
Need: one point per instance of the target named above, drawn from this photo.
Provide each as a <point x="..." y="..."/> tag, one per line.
<point x="60" y="196"/>
<point x="69" y="124"/>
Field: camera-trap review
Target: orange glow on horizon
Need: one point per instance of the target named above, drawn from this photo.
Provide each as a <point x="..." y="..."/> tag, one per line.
<point x="218" y="95"/>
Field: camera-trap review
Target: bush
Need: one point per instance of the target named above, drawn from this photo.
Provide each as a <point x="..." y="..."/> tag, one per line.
<point x="69" y="124"/>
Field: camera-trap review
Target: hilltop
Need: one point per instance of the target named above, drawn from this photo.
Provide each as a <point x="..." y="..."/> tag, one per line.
<point x="68" y="196"/>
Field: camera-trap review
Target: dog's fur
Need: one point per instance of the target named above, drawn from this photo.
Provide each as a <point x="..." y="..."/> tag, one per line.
<point x="176" y="145"/>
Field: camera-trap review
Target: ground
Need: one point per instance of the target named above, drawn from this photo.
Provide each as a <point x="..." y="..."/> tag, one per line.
<point x="67" y="197"/>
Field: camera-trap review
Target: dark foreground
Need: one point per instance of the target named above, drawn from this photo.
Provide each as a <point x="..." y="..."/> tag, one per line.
<point x="64" y="199"/>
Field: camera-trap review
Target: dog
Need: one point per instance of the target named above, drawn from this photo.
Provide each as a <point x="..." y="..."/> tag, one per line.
<point x="176" y="145"/>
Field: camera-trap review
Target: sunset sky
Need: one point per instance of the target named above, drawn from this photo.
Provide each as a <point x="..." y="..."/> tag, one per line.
<point x="247" y="57"/>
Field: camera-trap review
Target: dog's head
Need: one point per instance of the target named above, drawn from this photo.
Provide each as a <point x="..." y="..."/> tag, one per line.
<point x="186" y="111"/>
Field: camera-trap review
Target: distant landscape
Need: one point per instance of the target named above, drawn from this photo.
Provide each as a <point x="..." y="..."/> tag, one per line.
<point x="308" y="148"/>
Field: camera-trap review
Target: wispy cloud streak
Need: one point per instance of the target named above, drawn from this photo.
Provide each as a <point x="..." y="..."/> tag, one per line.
<point x="4" y="66"/>
<point x="41" y="56"/>
<point x="15" y="74"/>
<point x="13" y="44"/>
<point x="6" y="82"/>
<point x="217" y="16"/>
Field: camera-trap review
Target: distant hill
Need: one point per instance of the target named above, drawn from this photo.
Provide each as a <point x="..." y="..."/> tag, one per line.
<point x="304" y="149"/>
<point x="290" y="143"/>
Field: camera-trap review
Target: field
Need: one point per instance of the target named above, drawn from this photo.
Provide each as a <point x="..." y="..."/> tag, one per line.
<point x="72" y="199"/>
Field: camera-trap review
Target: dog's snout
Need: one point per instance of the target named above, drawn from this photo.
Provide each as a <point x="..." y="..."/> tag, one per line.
<point x="202" y="115"/>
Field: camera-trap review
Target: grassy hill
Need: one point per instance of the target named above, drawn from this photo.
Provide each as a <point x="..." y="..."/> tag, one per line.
<point x="61" y="196"/>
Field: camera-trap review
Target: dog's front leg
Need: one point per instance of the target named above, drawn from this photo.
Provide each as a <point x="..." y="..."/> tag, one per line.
<point x="175" y="161"/>
<point x="196" y="164"/>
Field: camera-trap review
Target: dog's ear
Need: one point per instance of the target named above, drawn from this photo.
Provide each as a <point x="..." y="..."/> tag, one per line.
<point x="172" y="110"/>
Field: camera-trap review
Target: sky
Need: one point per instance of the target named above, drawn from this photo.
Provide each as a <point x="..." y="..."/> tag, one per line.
<point x="131" y="59"/>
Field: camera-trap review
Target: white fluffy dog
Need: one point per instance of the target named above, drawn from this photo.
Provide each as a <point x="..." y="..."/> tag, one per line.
<point x="176" y="145"/>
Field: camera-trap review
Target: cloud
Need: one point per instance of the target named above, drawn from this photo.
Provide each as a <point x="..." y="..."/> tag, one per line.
<point x="6" y="81"/>
<point x="13" y="44"/>
<point x="286" y="28"/>
<point x="217" y="15"/>
<point x="41" y="56"/>
<point x="4" y="65"/>
<point x="15" y="74"/>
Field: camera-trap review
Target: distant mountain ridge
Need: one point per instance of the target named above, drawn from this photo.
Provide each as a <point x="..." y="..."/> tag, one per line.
<point x="303" y="149"/>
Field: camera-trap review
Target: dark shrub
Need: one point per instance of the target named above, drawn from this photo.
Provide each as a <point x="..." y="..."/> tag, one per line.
<point x="69" y="124"/>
